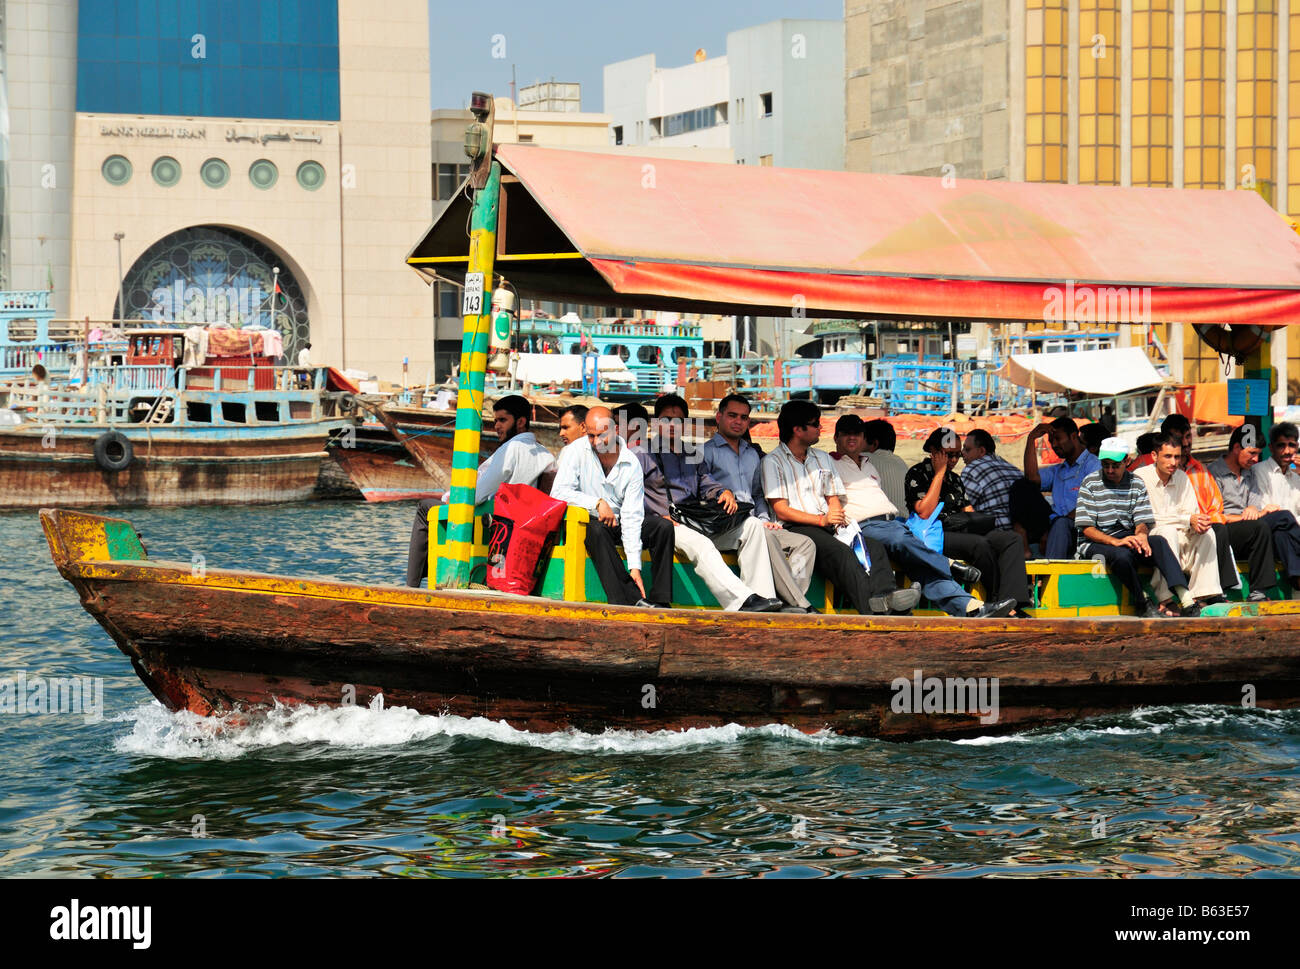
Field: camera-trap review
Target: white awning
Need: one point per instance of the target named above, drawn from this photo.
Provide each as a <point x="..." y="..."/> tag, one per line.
<point x="1098" y="373"/>
<point x="555" y="368"/>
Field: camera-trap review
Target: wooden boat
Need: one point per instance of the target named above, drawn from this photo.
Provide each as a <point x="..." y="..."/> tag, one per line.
<point x="152" y="433"/>
<point x="212" y="641"/>
<point x="200" y="642"/>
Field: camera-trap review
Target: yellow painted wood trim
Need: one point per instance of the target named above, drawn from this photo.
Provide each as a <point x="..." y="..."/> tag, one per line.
<point x="516" y="257"/>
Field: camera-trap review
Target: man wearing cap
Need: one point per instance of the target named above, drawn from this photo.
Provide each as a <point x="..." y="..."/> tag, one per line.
<point x="1114" y="519"/>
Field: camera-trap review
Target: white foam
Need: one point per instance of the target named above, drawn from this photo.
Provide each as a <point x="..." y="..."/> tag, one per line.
<point x="158" y="732"/>
<point x="1151" y="721"/>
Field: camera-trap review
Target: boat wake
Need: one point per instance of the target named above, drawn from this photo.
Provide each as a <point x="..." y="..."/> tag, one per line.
<point x="158" y="732"/>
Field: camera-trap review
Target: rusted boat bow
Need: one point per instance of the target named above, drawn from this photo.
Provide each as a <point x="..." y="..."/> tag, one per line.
<point x="215" y="640"/>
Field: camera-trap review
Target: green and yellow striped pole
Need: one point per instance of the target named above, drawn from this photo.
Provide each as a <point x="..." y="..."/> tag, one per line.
<point x="469" y="403"/>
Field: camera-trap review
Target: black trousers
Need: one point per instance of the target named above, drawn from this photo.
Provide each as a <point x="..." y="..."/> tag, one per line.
<point x="1031" y="511"/>
<point x="1000" y="556"/>
<point x="1123" y="564"/>
<point x="1252" y="541"/>
<point x="1286" y="541"/>
<point x="657" y="539"/>
<point x="417" y="554"/>
<point x="836" y="562"/>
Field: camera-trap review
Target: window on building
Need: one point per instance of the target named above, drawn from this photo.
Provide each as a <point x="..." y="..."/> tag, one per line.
<point x="684" y="353"/>
<point x="617" y="350"/>
<point x="767" y="104"/>
<point x="765" y="161"/>
<point x="656" y="127"/>
<point x="618" y="134"/>
<point x="740" y="110"/>
<point x="687" y="121"/>
<point x="448" y="300"/>
<point x="525" y="139"/>
<point x="648" y="355"/>
<point x="450" y="178"/>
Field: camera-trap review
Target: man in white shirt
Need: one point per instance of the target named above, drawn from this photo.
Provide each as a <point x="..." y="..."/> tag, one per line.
<point x="519" y="460"/>
<point x="1277" y="487"/>
<point x="806" y="494"/>
<point x="304" y="355"/>
<point x="1181" y="523"/>
<point x="598" y="472"/>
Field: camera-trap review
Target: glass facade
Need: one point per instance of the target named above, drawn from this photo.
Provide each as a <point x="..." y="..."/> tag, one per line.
<point x="1046" y="91"/>
<point x="209" y="58"/>
<point x="1257" y="96"/>
<point x="1293" y="121"/>
<point x="1099" y="118"/>
<point x="1153" y="93"/>
<point x="1203" y="100"/>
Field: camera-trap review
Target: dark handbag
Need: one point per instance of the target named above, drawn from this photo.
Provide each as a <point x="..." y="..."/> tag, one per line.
<point x="706" y="517"/>
<point x="970" y="522"/>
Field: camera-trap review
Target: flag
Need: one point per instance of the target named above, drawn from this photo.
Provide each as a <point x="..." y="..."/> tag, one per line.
<point x="284" y="300"/>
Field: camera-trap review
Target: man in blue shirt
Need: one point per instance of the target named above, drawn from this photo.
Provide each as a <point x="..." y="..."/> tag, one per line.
<point x="1052" y="526"/>
<point x="773" y="560"/>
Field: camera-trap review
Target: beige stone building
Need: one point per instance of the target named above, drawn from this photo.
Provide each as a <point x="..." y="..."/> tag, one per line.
<point x="202" y="162"/>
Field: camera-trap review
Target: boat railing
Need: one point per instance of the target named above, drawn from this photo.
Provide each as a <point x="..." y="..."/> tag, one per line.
<point x="133" y="377"/>
<point x="56" y="358"/>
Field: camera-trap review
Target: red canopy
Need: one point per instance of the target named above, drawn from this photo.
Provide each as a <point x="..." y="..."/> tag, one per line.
<point x="698" y="236"/>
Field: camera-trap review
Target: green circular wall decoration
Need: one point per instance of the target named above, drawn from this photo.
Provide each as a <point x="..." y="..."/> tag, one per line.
<point x="166" y="171"/>
<point x="215" y="173"/>
<point x="263" y="173"/>
<point x="311" y="175"/>
<point x="116" y="170"/>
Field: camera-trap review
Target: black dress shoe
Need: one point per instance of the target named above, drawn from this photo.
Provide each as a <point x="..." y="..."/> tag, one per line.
<point x="757" y="603"/>
<point x="994" y="610"/>
<point x="966" y="574"/>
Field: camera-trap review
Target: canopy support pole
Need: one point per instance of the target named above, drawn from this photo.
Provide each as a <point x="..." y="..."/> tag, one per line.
<point x="469" y="403"/>
<point x="1258" y="365"/>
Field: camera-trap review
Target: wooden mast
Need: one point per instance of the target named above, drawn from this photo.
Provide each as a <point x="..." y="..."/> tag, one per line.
<point x="486" y="180"/>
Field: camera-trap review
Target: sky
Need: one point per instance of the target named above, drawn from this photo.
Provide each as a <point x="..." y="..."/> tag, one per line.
<point x="572" y="40"/>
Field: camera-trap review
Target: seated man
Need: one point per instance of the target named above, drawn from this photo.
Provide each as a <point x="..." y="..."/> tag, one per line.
<point x="1114" y="519"/>
<point x="997" y="554"/>
<point x="1180" y="522"/>
<point x="881" y="440"/>
<point x="806" y="494"/>
<point x="674" y="476"/>
<point x="519" y="460"/>
<point x="988" y="478"/>
<point x="774" y="561"/>
<point x="572" y="419"/>
<point x="1252" y="540"/>
<point x="1052" y="526"/>
<point x="878" y="518"/>
<point x="597" y="472"/>
<point x="1234" y="473"/>
<point x="1277" y="486"/>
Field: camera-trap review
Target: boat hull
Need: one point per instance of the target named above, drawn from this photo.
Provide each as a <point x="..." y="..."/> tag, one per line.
<point x="169" y="468"/>
<point x="224" y="641"/>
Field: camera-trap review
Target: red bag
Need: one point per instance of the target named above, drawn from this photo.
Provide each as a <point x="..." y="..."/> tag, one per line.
<point x="525" y="527"/>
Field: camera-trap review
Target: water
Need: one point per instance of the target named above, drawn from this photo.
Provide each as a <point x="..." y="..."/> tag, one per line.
<point x="1166" y="791"/>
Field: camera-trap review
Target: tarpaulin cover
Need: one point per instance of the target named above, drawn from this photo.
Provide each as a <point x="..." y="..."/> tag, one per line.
<point x="865" y="244"/>
<point x="554" y="368"/>
<point x="1099" y="373"/>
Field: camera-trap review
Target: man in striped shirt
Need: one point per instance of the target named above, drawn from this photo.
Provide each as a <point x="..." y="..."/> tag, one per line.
<point x="1114" y="519"/>
<point x="988" y="478"/>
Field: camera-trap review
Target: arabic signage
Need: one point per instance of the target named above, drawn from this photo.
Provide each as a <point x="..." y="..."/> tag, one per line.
<point x="251" y="134"/>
